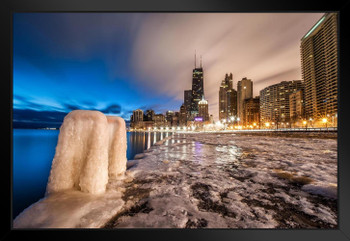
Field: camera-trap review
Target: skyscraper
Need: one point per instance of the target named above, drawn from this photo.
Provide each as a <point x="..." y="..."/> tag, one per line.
<point x="203" y="109"/>
<point x="251" y="112"/>
<point x="169" y="117"/>
<point x="227" y="98"/>
<point x="149" y="115"/>
<point x="244" y="91"/>
<point x="137" y="119"/>
<point x="183" y="115"/>
<point x="296" y="106"/>
<point x="138" y="115"/>
<point x="197" y="87"/>
<point x="193" y="96"/>
<point x="319" y="60"/>
<point x="274" y="101"/>
<point x="188" y="99"/>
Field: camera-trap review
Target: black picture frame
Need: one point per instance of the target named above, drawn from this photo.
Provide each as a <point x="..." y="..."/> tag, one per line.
<point x="342" y="7"/>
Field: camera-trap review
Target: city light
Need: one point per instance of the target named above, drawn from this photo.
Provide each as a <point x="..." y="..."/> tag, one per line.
<point x="260" y="107"/>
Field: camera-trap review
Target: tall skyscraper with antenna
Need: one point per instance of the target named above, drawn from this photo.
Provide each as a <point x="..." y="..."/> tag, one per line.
<point x="196" y="94"/>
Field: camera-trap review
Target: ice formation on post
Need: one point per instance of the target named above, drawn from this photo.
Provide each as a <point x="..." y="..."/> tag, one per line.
<point x="117" y="146"/>
<point x="82" y="159"/>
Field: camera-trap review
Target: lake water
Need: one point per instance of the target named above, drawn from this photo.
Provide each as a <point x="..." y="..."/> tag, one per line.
<point x="33" y="152"/>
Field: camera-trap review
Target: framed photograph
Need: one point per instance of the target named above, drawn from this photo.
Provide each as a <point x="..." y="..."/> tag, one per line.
<point x="183" y="120"/>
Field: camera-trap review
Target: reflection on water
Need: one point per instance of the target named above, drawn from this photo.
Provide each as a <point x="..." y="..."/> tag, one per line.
<point x="140" y="141"/>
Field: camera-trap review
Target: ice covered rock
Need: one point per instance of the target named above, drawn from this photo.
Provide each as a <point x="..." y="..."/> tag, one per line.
<point x="81" y="158"/>
<point x="117" y="146"/>
<point x="91" y="147"/>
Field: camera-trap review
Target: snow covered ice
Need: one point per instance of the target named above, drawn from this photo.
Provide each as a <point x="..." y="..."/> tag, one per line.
<point x="117" y="146"/>
<point x="211" y="180"/>
<point x="204" y="180"/>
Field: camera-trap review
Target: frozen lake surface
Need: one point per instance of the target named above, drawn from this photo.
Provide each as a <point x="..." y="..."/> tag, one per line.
<point x="233" y="181"/>
<point x="209" y="181"/>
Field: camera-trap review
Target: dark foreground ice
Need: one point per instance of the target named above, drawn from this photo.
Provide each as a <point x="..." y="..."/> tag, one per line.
<point x="232" y="181"/>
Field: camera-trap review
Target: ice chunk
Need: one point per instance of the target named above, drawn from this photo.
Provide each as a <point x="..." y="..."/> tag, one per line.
<point x="71" y="209"/>
<point x="117" y="146"/>
<point x="327" y="190"/>
<point x="81" y="158"/>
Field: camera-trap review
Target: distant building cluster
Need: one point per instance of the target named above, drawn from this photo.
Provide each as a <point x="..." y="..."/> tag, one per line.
<point x="311" y="101"/>
<point x="193" y="112"/>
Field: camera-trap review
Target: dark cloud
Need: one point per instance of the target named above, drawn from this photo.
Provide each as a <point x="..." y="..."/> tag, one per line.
<point x="29" y="118"/>
<point x="37" y="119"/>
<point x="112" y="109"/>
<point x="69" y="107"/>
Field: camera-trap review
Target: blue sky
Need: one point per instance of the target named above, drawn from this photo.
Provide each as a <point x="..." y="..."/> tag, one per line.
<point x="67" y="61"/>
<point x="118" y="62"/>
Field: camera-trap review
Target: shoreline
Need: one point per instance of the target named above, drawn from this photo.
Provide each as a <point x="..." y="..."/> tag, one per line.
<point x="210" y="180"/>
<point x="274" y="133"/>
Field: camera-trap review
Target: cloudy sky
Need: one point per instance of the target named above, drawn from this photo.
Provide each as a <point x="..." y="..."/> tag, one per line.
<point x="118" y="62"/>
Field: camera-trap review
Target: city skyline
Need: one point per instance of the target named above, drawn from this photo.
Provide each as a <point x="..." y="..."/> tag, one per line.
<point x="50" y="78"/>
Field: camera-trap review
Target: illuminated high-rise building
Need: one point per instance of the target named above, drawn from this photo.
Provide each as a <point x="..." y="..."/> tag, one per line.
<point x="251" y="112"/>
<point x="193" y="96"/>
<point x="296" y="106"/>
<point x="197" y="86"/>
<point x="138" y="115"/>
<point x="188" y="99"/>
<point x="244" y="91"/>
<point x="227" y="98"/>
<point x="274" y="101"/>
<point x="169" y="117"/>
<point x="149" y="116"/>
<point x="203" y="110"/>
<point x="183" y="115"/>
<point x="319" y="61"/>
<point x="159" y="120"/>
<point x="137" y="119"/>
